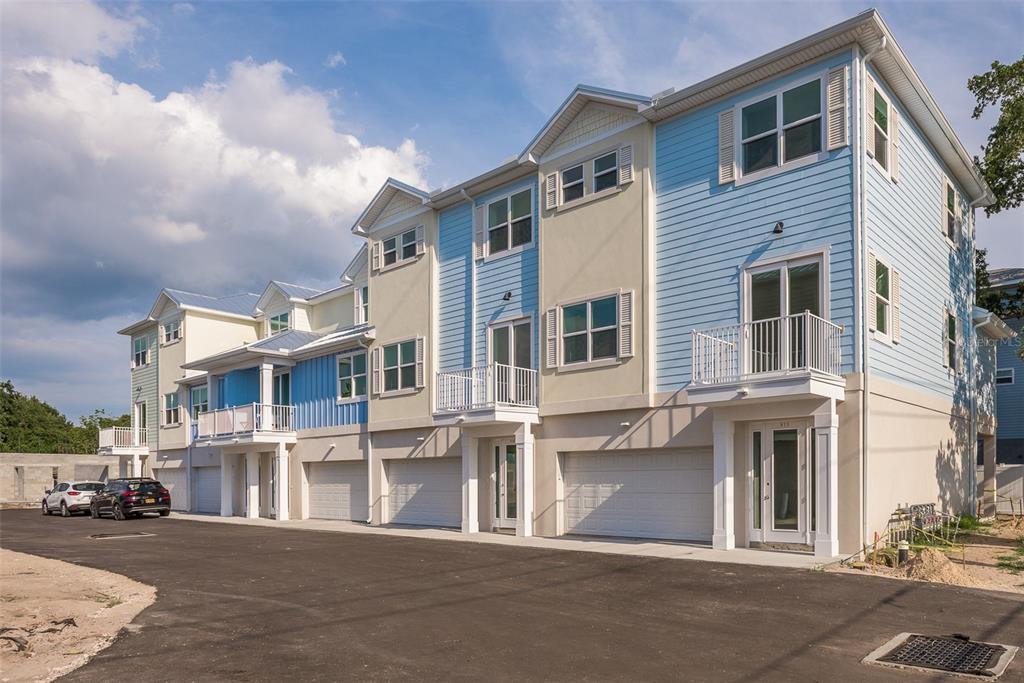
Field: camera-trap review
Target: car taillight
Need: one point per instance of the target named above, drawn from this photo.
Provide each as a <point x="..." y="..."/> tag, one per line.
<point x="129" y="494"/>
<point x="164" y="492"/>
<point x="72" y="493"/>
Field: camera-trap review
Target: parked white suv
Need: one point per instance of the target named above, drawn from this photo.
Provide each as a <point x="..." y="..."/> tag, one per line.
<point x="70" y="496"/>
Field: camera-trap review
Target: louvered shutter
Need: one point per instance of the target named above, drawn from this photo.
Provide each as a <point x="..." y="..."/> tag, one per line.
<point x="959" y="346"/>
<point x="551" y="191"/>
<point x="357" y="305"/>
<point x="625" y="164"/>
<point x="836" y="104"/>
<point x="894" y="146"/>
<point x="479" y="241"/>
<point x="726" y="147"/>
<point x="626" y="325"/>
<point x="375" y="261"/>
<point x="872" y="294"/>
<point x="945" y="338"/>
<point x="869" y="116"/>
<point x="895" y="286"/>
<point x="421" y="244"/>
<point x="376" y="371"/>
<point x="421" y="379"/>
<point x="551" y="338"/>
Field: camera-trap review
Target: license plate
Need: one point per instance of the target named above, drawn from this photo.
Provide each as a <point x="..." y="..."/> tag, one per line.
<point x="150" y="501"/>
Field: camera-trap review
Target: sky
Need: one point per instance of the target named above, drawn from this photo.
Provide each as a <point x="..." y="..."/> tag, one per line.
<point x="215" y="146"/>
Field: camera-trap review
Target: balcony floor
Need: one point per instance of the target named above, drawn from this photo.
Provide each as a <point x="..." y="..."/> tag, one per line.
<point x="247" y="439"/>
<point x="793" y="384"/>
<point x="489" y="415"/>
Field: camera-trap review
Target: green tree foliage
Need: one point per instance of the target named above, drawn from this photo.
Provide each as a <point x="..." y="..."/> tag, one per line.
<point x="28" y="425"/>
<point x="1003" y="163"/>
<point x="1007" y="302"/>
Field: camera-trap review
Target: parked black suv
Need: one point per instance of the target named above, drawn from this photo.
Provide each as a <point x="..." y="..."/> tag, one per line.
<point x="125" y="498"/>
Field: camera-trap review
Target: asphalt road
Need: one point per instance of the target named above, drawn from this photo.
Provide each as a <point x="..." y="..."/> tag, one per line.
<point x="250" y="603"/>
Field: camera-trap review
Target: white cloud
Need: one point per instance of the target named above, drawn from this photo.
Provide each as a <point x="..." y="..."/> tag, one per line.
<point x="75" y="30"/>
<point x="336" y="59"/>
<point x="183" y="9"/>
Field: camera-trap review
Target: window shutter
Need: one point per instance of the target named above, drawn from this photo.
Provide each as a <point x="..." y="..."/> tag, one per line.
<point x="626" y="324"/>
<point x="421" y="245"/>
<point x="872" y="294"/>
<point x="421" y="379"/>
<point x="376" y="256"/>
<point x="357" y="305"/>
<point x="945" y="339"/>
<point x="726" y="147"/>
<point x="480" y="244"/>
<point x="551" y="341"/>
<point x="377" y="372"/>
<point x="958" y="220"/>
<point x="959" y="347"/>
<point x="869" y="116"/>
<point x="836" y="103"/>
<point x="551" y="191"/>
<point x="625" y="164"/>
<point x="894" y="146"/>
<point x="895" y="307"/>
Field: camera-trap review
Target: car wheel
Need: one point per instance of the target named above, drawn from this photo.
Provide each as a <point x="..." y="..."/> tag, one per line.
<point x="94" y="512"/>
<point x="64" y="512"/>
<point x="46" y="508"/>
<point x="119" y="513"/>
<point x="164" y="513"/>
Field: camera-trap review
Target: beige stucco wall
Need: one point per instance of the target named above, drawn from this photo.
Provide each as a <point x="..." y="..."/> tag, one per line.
<point x="596" y="247"/>
<point x="332" y="314"/>
<point x="172" y="356"/>
<point x="207" y="334"/>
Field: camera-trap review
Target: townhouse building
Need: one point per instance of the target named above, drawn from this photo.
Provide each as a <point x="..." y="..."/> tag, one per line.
<point x="741" y="313"/>
<point x="1009" y="378"/>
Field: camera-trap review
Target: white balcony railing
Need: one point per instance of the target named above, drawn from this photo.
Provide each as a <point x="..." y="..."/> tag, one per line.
<point x="486" y="386"/>
<point x="250" y="418"/>
<point x="799" y="342"/>
<point x="122" y="437"/>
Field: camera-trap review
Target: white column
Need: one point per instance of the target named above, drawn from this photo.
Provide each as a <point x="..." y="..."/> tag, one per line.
<point x="524" y="480"/>
<point x="266" y="383"/>
<point x="227" y="484"/>
<point x="122" y="466"/>
<point x="252" y="485"/>
<point x="724" y="537"/>
<point x="826" y="441"/>
<point x="470" y="483"/>
<point x="283" y="471"/>
<point x="136" y="465"/>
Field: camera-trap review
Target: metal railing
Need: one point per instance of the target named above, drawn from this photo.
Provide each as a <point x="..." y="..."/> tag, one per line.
<point x="123" y="437"/>
<point x="245" y="419"/>
<point x="731" y="353"/>
<point x="486" y="386"/>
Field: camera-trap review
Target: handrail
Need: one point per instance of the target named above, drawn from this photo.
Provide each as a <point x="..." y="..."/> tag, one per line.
<point x="249" y="418"/>
<point x="123" y="437"/>
<point x="486" y="386"/>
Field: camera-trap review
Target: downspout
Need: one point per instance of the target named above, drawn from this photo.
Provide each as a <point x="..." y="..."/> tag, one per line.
<point x="369" y="438"/>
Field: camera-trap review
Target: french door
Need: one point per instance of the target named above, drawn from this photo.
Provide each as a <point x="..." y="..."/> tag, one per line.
<point x="511" y="350"/>
<point x="282" y="389"/>
<point x="777" y="295"/>
<point x="506" y="491"/>
<point x="779" y="483"/>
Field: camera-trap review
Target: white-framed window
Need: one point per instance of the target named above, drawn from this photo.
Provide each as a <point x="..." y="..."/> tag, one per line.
<point x="401" y="247"/>
<point x="883" y="298"/>
<point x="950" y="330"/>
<point x="364" y="304"/>
<point x="572" y="183"/>
<point x="951" y="212"/>
<point x="400" y="366"/>
<point x="352" y="376"/>
<point x="199" y="400"/>
<point x="1004" y="376"/>
<point x="590" y="330"/>
<point x="172" y="409"/>
<point x="140" y="352"/>
<point x="882" y="134"/>
<point x="781" y="128"/>
<point x="510" y="221"/>
<point x="606" y="171"/>
<point x="280" y="322"/>
<point x="172" y="331"/>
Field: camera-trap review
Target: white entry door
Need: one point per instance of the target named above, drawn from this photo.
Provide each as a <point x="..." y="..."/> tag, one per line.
<point x="506" y="491"/>
<point x="780" y="483"/>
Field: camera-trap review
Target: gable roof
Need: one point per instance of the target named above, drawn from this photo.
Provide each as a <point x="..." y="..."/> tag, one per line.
<point x="1004" y="277"/>
<point x="288" y="340"/>
<point x="384" y="195"/>
<point x="289" y="345"/>
<point x="233" y="304"/>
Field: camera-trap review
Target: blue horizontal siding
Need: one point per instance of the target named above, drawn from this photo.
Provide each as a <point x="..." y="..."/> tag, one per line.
<point x="315" y="396"/>
<point x="707" y="233"/>
<point x="455" y="286"/>
<point x="1010" y="397"/>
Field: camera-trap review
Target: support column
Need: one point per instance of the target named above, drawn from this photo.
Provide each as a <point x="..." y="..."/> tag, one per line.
<point x="136" y="469"/>
<point x="724" y="537"/>
<point x="524" y="480"/>
<point x="281" y="487"/>
<point x="252" y="485"/>
<point x="826" y="476"/>
<point x="470" y="482"/>
<point x="989" y="482"/>
<point x="227" y="484"/>
<point x="267" y="383"/>
<point x="122" y="466"/>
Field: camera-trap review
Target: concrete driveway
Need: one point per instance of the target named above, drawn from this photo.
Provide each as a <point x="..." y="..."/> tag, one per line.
<point x="252" y="603"/>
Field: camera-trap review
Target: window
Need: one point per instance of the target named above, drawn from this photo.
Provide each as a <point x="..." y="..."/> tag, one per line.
<point x="282" y="389"/>
<point x="364" y="304"/>
<point x="1004" y="376"/>
<point x="172" y="332"/>
<point x="280" y="323"/>
<point x="141" y="415"/>
<point x="351" y="376"/>
<point x="952" y="362"/>
<point x="765" y="143"/>
<point x="140" y="354"/>
<point x="881" y="128"/>
<point x="882" y="297"/>
<point x="951" y="212"/>
<point x="172" y="409"/>
<point x="572" y="183"/>
<point x="199" y="399"/>
<point x="606" y="171"/>
<point x="510" y="222"/>
<point x="400" y="247"/>
<point x="400" y="366"/>
<point x="590" y="330"/>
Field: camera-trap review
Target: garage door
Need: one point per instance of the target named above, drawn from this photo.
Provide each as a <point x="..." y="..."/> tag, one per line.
<point x="337" y="490"/>
<point x="207" y="482"/>
<point x="174" y="480"/>
<point x="427" y="492"/>
<point x="640" y="494"/>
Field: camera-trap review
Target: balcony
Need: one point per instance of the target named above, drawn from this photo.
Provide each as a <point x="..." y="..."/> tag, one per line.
<point x="249" y="423"/>
<point x="123" y="441"/>
<point x="487" y="393"/>
<point x="795" y="356"/>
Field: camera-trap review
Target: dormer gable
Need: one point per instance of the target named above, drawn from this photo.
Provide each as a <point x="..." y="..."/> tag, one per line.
<point x="395" y="201"/>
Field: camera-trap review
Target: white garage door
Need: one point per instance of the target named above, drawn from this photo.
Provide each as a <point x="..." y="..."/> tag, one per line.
<point x="207" y="483"/>
<point x="337" y="490"/>
<point x="174" y="480"/>
<point x="427" y="492"/>
<point x="646" y="494"/>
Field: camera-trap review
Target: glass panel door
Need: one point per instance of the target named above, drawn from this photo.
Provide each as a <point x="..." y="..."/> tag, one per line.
<point x="804" y="285"/>
<point x="506" y="486"/>
<point x="282" y="389"/>
<point x="511" y="349"/>
<point x="785" y="480"/>
<point x="783" y="514"/>
<point x="765" y="313"/>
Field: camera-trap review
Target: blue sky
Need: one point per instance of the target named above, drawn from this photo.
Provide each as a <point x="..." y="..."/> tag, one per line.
<point x="214" y="146"/>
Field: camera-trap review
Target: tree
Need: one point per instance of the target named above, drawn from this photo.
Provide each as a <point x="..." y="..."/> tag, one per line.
<point x="28" y="425"/>
<point x="1003" y="163"/>
<point x="1006" y="302"/>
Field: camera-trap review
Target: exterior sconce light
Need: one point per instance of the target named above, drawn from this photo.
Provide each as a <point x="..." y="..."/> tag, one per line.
<point x="778" y="228"/>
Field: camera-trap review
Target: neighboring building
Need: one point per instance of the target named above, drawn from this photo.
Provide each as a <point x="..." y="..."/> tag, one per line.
<point x="1010" y="377"/>
<point x="739" y="313"/>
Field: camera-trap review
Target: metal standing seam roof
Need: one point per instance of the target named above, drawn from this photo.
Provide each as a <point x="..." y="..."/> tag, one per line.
<point x="296" y="291"/>
<point x="237" y="304"/>
<point x="1000" y="277"/>
<point x="286" y="341"/>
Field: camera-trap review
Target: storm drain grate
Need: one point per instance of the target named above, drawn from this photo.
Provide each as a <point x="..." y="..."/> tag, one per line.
<point x="955" y="654"/>
<point x="126" y="534"/>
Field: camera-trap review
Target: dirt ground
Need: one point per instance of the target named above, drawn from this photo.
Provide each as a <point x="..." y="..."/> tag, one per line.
<point x="54" y="615"/>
